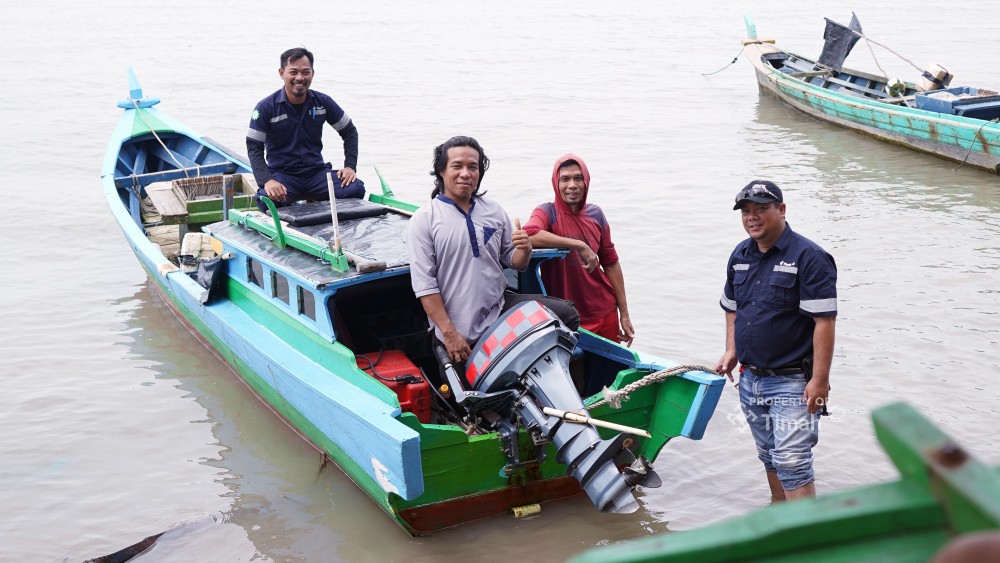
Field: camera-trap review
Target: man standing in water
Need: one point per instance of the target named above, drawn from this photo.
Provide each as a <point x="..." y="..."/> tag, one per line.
<point x="780" y="300"/>
<point x="591" y="275"/>
<point x="287" y="127"/>
<point x="459" y="245"/>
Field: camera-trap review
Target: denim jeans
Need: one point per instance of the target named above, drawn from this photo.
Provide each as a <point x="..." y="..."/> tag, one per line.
<point x="782" y="428"/>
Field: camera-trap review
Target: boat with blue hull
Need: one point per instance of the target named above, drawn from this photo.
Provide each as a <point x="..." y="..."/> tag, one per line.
<point x="957" y="123"/>
<point x="311" y="307"/>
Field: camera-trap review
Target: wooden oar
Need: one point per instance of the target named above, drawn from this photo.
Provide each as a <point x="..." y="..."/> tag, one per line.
<point x="583" y="419"/>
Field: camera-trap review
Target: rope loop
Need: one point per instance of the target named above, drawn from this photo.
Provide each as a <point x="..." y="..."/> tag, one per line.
<point x="616" y="398"/>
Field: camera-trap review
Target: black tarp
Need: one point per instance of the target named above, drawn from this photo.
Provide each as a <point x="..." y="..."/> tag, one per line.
<point x="318" y="212"/>
<point x="378" y="238"/>
<point x="840" y="40"/>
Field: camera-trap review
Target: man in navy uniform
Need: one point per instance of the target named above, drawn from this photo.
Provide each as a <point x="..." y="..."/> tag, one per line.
<point x="780" y="301"/>
<point x="287" y="127"/>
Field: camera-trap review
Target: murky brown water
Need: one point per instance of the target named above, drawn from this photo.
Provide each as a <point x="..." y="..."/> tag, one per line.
<point x="118" y="424"/>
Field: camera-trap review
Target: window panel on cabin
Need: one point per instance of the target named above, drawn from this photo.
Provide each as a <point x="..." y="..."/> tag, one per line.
<point x="255" y="273"/>
<point x="279" y="286"/>
<point x="307" y="303"/>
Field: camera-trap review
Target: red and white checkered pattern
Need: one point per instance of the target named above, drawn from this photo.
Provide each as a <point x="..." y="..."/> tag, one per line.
<point x="517" y="322"/>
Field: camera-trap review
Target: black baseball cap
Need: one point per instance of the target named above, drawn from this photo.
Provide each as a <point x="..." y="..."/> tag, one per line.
<point x="759" y="191"/>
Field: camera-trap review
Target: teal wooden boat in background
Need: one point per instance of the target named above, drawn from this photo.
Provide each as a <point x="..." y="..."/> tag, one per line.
<point x="954" y="123"/>
<point x="943" y="493"/>
<point x="333" y="340"/>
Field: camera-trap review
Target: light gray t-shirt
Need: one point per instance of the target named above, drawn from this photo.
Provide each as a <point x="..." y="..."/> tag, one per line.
<point x="462" y="258"/>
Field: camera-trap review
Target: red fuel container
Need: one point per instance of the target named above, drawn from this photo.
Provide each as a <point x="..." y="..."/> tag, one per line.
<point x="413" y="397"/>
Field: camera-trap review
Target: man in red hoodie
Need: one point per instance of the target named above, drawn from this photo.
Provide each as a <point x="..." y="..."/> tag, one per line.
<point x="590" y="275"/>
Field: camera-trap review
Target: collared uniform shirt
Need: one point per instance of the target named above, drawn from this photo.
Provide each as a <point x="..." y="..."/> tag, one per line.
<point x="775" y="296"/>
<point x="293" y="137"/>
<point x="462" y="257"/>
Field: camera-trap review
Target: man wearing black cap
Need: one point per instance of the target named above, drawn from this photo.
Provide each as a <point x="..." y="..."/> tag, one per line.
<point x="780" y="300"/>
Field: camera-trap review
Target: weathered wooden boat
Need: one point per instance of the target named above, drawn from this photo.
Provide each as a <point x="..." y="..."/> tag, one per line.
<point x="954" y="123"/>
<point x="942" y="494"/>
<point x="343" y="354"/>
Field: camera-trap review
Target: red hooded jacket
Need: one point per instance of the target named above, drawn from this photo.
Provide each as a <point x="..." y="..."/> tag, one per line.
<point x="567" y="278"/>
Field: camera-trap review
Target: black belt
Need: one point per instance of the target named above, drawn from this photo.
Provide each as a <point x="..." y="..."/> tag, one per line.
<point x="780" y="371"/>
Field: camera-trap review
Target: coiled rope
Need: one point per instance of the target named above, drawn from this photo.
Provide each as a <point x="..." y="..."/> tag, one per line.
<point x="616" y="398"/>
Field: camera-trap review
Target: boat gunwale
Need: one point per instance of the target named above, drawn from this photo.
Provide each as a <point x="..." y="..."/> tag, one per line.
<point x="868" y="103"/>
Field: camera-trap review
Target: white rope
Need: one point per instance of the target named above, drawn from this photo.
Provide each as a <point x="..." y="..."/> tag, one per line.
<point x="162" y="144"/>
<point x="616" y="398"/>
<point x="866" y="38"/>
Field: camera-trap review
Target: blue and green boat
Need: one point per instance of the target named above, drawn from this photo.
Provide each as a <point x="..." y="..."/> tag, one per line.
<point x="332" y="339"/>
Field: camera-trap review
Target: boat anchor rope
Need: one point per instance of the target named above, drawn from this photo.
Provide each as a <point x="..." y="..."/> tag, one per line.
<point x="616" y="398"/>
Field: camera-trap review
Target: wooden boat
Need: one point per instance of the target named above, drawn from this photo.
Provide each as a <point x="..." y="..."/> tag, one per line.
<point x="343" y="355"/>
<point x="953" y="123"/>
<point x="942" y="494"/>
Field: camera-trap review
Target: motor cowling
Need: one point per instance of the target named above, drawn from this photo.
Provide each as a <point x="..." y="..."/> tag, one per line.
<point x="525" y="357"/>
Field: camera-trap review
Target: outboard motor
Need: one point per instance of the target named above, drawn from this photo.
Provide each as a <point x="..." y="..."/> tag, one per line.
<point x="520" y="366"/>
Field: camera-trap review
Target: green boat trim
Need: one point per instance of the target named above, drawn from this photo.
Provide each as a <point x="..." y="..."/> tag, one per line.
<point x="943" y="492"/>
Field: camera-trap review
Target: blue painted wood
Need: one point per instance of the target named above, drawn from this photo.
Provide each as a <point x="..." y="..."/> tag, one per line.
<point x="168" y="175"/>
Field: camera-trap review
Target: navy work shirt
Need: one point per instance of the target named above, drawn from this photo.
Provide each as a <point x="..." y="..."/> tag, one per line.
<point x="293" y="136"/>
<point x="775" y="296"/>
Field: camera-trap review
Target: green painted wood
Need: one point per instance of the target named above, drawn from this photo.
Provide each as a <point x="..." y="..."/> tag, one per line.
<point x="968" y="490"/>
<point x="800" y="527"/>
<point x="145" y="121"/>
<point x="898" y="120"/>
<point x="943" y="491"/>
<point x="295" y="239"/>
<point x="390" y="201"/>
<point x="333" y="356"/>
<point x="660" y="409"/>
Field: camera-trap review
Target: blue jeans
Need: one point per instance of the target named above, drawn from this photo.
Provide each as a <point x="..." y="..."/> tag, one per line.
<point x="312" y="185"/>
<point x="782" y="428"/>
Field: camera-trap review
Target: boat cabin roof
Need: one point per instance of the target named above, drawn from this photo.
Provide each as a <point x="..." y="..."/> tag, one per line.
<point x="380" y="237"/>
<point x="369" y="230"/>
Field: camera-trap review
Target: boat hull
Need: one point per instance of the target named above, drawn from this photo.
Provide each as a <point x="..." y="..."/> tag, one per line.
<point x="974" y="142"/>
<point x="426" y="477"/>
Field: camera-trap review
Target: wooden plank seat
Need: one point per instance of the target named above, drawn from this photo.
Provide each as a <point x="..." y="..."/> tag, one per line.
<point x="198" y="199"/>
<point x="168" y="204"/>
<point x="905" y="100"/>
<point x="809" y="74"/>
<point x="857" y="88"/>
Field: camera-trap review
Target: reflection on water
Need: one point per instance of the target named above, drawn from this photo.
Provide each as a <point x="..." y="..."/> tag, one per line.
<point x="284" y="503"/>
<point x="277" y="487"/>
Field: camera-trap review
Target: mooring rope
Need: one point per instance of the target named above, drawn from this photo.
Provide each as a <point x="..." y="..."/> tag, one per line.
<point x="616" y="398"/>
<point x="869" y="39"/>
<point x="972" y="145"/>
<point x="731" y="63"/>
